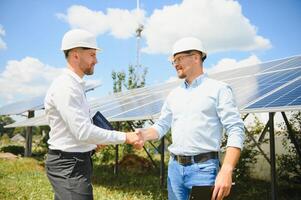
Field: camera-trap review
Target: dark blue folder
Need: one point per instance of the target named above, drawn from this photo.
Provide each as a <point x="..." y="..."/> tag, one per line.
<point x="100" y="121"/>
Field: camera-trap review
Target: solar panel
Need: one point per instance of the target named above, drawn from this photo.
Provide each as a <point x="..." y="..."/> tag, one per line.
<point x="150" y="110"/>
<point x="251" y="83"/>
<point x="286" y="63"/>
<point x="115" y="106"/>
<point x="35" y="121"/>
<point x="286" y="96"/>
<point x="36" y="103"/>
<point x="250" y="70"/>
<point x="130" y="103"/>
<point x="270" y="86"/>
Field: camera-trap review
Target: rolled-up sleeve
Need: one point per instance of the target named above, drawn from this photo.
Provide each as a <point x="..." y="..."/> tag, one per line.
<point x="230" y="118"/>
<point x="164" y="121"/>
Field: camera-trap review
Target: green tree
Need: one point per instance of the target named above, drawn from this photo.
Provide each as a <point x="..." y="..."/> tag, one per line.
<point x="136" y="79"/>
<point x="249" y="152"/>
<point x="122" y="81"/>
<point x="289" y="165"/>
<point x="5" y="120"/>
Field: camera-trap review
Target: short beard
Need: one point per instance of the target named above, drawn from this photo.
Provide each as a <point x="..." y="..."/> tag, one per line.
<point x="89" y="71"/>
<point x="181" y="76"/>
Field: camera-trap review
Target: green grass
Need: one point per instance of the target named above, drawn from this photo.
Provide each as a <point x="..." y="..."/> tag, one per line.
<point x="25" y="179"/>
<point x="127" y="185"/>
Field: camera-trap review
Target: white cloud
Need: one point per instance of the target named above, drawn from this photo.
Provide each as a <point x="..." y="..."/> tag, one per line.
<point x="120" y="23"/>
<point x="28" y="77"/>
<point x="220" y="24"/>
<point x="2" y="33"/>
<point x="229" y="63"/>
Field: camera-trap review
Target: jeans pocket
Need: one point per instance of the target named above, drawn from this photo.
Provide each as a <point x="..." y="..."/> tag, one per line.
<point x="209" y="166"/>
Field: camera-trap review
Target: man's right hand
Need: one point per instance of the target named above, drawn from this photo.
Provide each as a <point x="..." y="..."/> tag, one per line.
<point x="134" y="138"/>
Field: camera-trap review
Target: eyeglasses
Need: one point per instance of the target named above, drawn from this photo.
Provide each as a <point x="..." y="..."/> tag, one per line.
<point x="180" y="58"/>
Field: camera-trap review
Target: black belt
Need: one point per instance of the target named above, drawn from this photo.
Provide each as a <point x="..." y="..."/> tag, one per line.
<point x="70" y="154"/>
<point x="188" y="160"/>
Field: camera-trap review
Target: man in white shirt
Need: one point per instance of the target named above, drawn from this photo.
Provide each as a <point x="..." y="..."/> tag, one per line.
<point x="73" y="137"/>
<point x="197" y="112"/>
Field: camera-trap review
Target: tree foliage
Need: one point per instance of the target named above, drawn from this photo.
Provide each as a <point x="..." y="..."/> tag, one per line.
<point x="134" y="78"/>
<point x="249" y="152"/>
<point x="289" y="165"/>
<point x="5" y="120"/>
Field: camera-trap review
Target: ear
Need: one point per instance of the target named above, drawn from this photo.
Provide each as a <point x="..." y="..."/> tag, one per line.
<point x="196" y="58"/>
<point x="75" y="55"/>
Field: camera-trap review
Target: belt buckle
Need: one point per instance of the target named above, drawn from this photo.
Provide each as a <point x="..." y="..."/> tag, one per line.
<point x="184" y="160"/>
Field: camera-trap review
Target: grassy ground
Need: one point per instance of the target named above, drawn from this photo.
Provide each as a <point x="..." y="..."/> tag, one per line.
<point x="25" y="179"/>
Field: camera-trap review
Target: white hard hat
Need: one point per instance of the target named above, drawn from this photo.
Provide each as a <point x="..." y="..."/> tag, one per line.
<point x="78" y="38"/>
<point x="188" y="44"/>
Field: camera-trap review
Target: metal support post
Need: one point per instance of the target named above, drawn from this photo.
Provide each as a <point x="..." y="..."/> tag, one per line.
<point x="273" y="158"/>
<point x="116" y="159"/>
<point x="28" y="144"/>
<point x="162" y="165"/>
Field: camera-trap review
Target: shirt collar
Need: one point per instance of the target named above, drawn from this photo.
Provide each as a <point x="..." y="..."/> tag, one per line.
<point x="196" y="82"/>
<point x="75" y="76"/>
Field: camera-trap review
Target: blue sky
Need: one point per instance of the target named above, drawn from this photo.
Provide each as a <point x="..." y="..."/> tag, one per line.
<point x="235" y="33"/>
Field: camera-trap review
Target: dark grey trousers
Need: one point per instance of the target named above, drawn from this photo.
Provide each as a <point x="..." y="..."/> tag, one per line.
<point x="70" y="176"/>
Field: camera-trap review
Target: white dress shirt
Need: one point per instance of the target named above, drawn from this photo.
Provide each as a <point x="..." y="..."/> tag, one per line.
<point x="197" y="114"/>
<point x="68" y="116"/>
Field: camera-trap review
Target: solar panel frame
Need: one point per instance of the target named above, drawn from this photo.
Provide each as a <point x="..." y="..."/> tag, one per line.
<point x="291" y="91"/>
<point x="32" y="104"/>
<point x="261" y="80"/>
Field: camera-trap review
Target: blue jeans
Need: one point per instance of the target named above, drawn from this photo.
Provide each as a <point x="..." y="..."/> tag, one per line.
<point x="181" y="178"/>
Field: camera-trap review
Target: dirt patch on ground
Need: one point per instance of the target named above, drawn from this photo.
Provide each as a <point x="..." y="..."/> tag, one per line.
<point x="8" y="156"/>
<point x="132" y="162"/>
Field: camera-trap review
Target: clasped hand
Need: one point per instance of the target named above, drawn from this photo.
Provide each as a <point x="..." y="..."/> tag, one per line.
<point x="135" y="138"/>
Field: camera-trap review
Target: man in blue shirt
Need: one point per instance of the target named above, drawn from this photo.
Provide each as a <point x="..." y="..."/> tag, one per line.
<point x="197" y="112"/>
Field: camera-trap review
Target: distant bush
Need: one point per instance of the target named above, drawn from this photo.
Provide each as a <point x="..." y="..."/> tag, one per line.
<point x="14" y="149"/>
<point x="289" y="165"/>
<point x="39" y="150"/>
<point x="5" y="139"/>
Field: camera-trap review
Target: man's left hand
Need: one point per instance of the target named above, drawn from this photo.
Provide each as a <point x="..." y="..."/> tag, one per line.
<point x="223" y="183"/>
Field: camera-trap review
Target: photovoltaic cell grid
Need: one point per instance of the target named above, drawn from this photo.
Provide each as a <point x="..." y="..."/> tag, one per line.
<point x="251" y="83"/>
<point x="289" y="95"/>
<point x="269" y="86"/>
<point x="141" y="103"/>
<point x="131" y="98"/>
<point x="249" y="88"/>
<point x="36" y="103"/>
<point x="250" y="70"/>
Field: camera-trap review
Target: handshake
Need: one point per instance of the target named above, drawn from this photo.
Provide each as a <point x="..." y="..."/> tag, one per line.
<point x="135" y="138"/>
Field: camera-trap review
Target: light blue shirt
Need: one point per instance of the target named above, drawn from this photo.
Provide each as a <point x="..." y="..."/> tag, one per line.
<point x="197" y="114"/>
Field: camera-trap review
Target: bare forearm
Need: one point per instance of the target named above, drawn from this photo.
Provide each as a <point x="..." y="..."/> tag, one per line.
<point x="223" y="180"/>
<point x="231" y="158"/>
<point x="150" y="134"/>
